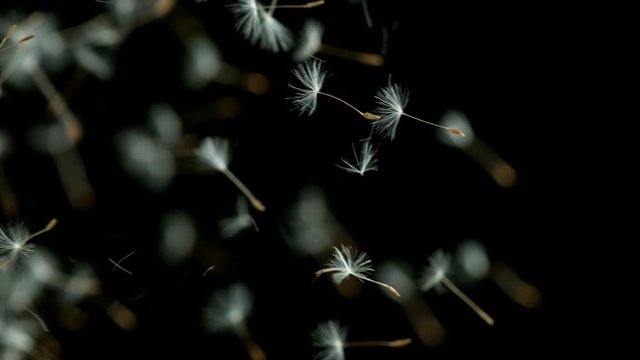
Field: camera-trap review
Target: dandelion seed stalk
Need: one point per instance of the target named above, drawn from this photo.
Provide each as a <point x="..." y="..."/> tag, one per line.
<point x="346" y="262"/>
<point x="52" y="223"/>
<point x="366" y="115"/>
<point x="393" y="344"/>
<point x="452" y="130"/>
<point x="255" y="202"/>
<point x="311" y="4"/>
<point x="70" y="122"/>
<point x="74" y="179"/>
<point x="500" y="171"/>
<point x="361" y="57"/>
<point x="451" y="286"/>
<point x="254" y="350"/>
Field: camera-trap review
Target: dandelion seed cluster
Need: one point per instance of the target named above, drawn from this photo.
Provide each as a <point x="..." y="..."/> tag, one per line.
<point x="233" y="180"/>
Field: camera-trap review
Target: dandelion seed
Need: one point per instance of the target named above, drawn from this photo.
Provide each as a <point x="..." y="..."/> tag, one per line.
<point x="311" y="75"/>
<point x="366" y="161"/>
<point x="346" y="262"/>
<point x="80" y="283"/>
<point x="229" y="308"/>
<point x="134" y="13"/>
<point x="311" y="43"/>
<point x="312" y="227"/>
<point x="248" y="14"/>
<point x="122" y="316"/>
<point x="476" y="264"/>
<point x="146" y="159"/>
<point x="331" y="338"/>
<point x="436" y="276"/>
<point x="46" y="52"/>
<point x="501" y="171"/>
<point x="241" y="221"/>
<point x="214" y="152"/>
<point x="92" y="60"/>
<point x="202" y="63"/>
<point x="52" y="140"/>
<point x="178" y="237"/>
<point x="228" y="311"/>
<point x="426" y="326"/>
<point x="473" y="258"/>
<point x="257" y="25"/>
<point x="18" y="339"/>
<point x="14" y="240"/>
<point x="391" y="100"/>
<point x="165" y="123"/>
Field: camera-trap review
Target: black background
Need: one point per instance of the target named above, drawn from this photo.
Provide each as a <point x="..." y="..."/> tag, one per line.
<point x="511" y="70"/>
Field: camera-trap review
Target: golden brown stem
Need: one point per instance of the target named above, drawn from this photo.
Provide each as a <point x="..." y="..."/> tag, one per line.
<point x="500" y="171"/>
<point x="257" y="204"/>
<point x="52" y="223"/>
<point x="254" y="350"/>
<point x="366" y="115"/>
<point x="451" y="286"/>
<point x="390" y="288"/>
<point x="517" y="289"/>
<point x="394" y="343"/>
<point x="365" y="58"/>
<point x="272" y="7"/>
<point x="452" y="130"/>
<point x="308" y="5"/>
<point x="70" y="122"/>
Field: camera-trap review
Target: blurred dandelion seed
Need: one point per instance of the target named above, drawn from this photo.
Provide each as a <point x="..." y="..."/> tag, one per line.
<point x="366" y="161"/>
<point x="240" y="221"/>
<point x="436" y="276"/>
<point x="500" y="171"/>
<point x="53" y="140"/>
<point x="178" y="237"/>
<point x="14" y="240"/>
<point x="425" y="325"/>
<point x="331" y="338"/>
<point x="146" y="158"/>
<point x="311" y="75"/>
<point x="228" y="310"/>
<point x="310" y="43"/>
<point x="214" y="152"/>
<point x="46" y="51"/>
<point x="476" y="265"/>
<point x="346" y="262"/>
<point x="391" y="100"/>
